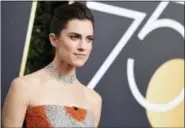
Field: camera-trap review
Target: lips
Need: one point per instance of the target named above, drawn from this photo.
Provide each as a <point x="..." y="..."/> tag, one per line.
<point x="79" y="55"/>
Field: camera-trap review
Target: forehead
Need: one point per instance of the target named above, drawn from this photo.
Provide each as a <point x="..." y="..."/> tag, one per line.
<point x="83" y="27"/>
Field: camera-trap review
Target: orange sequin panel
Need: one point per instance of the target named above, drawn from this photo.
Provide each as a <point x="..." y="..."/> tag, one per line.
<point x="36" y="117"/>
<point x="78" y="114"/>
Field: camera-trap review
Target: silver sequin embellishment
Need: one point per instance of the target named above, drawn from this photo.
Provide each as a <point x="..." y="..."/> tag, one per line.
<point x="58" y="117"/>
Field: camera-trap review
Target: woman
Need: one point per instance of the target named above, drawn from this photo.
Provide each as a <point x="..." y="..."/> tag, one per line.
<point x="53" y="96"/>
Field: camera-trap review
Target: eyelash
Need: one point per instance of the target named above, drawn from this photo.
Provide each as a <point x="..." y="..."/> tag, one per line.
<point x="91" y="39"/>
<point x="77" y="37"/>
<point x="74" y="37"/>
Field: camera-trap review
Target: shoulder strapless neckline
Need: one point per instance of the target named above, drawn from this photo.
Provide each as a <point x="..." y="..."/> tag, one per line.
<point x="57" y="105"/>
<point x="59" y="116"/>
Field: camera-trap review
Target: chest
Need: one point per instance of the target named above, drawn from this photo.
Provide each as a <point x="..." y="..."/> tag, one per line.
<point x="60" y="94"/>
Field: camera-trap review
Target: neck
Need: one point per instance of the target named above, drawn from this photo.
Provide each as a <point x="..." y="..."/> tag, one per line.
<point x="63" y="68"/>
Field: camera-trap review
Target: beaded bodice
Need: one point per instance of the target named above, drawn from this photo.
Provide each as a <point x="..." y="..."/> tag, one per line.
<point x="58" y="116"/>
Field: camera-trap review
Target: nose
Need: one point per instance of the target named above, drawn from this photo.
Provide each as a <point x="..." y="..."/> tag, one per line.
<point x="81" y="49"/>
<point x="81" y="46"/>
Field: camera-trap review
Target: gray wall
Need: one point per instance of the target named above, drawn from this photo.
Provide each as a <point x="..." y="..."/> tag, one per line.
<point x="14" y="24"/>
<point x="120" y="108"/>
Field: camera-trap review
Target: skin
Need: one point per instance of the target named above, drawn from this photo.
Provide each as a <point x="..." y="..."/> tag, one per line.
<point x="39" y="88"/>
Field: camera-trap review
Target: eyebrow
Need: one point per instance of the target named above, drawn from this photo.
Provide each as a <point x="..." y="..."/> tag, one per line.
<point x="77" y="34"/>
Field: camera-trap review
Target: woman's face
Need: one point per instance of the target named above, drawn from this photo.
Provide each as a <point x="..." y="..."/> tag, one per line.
<point x="75" y="42"/>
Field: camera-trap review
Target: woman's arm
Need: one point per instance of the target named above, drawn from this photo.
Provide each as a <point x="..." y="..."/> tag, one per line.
<point x="97" y="110"/>
<point x="96" y="101"/>
<point x="15" y="104"/>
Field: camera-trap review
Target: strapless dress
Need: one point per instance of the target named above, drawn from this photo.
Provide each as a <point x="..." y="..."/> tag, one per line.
<point x="58" y="116"/>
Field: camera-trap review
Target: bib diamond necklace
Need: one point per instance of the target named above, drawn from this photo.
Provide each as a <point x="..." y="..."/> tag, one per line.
<point x="59" y="76"/>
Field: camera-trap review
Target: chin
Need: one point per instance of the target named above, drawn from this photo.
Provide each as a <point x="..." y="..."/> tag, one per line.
<point x="78" y="63"/>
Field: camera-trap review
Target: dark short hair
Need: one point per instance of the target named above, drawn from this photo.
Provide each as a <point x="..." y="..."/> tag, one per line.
<point x="64" y="13"/>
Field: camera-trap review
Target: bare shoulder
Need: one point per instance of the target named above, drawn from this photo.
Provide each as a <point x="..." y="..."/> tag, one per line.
<point x="19" y="91"/>
<point x="24" y="82"/>
<point x="17" y="100"/>
<point x="33" y="78"/>
<point x="17" y="85"/>
<point x="94" y="96"/>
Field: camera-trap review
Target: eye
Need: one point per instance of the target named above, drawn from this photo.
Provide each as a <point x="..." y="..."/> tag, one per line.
<point x="74" y="37"/>
<point x="90" y="39"/>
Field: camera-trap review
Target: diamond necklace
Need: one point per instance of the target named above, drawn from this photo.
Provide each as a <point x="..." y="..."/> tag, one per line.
<point x="59" y="76"/>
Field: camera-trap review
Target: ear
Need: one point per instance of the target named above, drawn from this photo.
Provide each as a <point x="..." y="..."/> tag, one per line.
<point x="53" y="39"/>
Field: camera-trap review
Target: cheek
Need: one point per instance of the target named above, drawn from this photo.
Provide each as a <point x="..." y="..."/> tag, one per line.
<point x="66" y="45"/>
<point x="89" y="49"/>
<point x="67" y="48"/>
